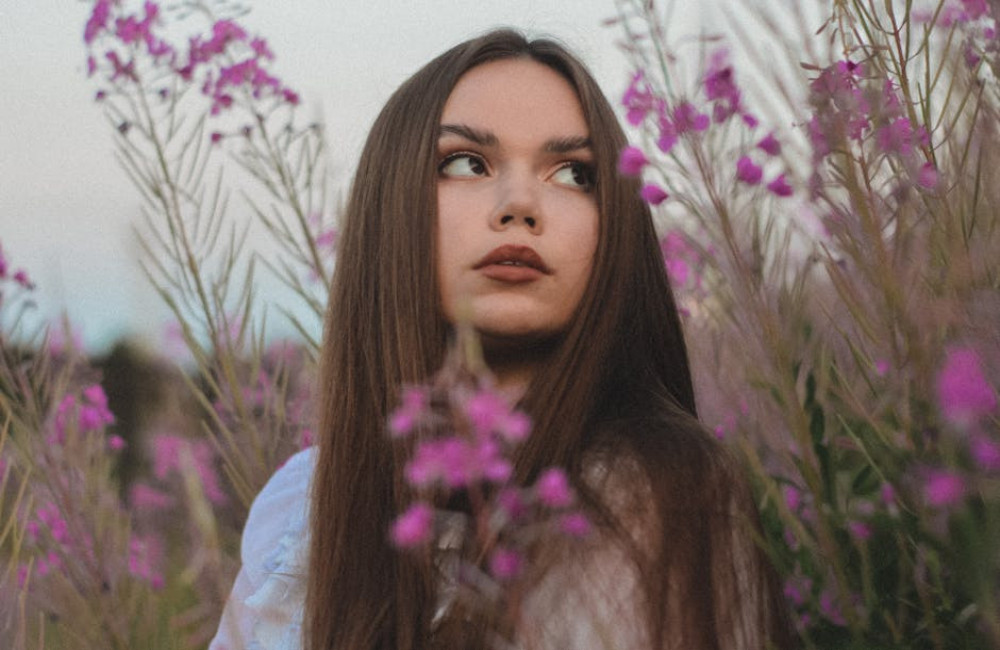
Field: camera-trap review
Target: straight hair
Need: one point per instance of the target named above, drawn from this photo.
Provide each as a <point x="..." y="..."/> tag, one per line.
<point x="616" y="387"/>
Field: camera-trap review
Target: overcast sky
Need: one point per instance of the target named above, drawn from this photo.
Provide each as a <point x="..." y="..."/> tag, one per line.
<point x="66" y="209"/>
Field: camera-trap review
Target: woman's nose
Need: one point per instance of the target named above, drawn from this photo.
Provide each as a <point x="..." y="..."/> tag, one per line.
<point x="518" y="203"/>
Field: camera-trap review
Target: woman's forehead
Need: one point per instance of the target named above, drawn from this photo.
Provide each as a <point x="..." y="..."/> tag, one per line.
<point x="516" y="94"/>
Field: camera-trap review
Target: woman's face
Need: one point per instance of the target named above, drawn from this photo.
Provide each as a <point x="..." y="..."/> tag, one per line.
<point x="517" y="217"/>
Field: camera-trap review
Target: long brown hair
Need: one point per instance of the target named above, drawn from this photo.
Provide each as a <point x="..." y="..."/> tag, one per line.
<point x="617" y="385"/>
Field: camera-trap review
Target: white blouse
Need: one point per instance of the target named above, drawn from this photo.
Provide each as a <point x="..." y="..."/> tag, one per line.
<point x="589" y="600"/>
<point x="264" y="610"/>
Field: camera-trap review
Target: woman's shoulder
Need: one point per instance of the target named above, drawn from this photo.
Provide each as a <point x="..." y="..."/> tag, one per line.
<point x="265" y="607"/>
<point x="280" y="508"/>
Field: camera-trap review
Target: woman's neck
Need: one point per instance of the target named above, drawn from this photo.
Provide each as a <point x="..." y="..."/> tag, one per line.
<point x="515" y="366"/>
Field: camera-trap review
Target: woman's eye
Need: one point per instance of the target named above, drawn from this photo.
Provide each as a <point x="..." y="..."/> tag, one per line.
<point x="462" y="165"/>
<point x="576" y="174"/>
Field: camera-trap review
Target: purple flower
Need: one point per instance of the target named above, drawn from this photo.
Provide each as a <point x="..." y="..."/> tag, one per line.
<point x="747" y="171"/>
<point x="896" y="137"/>
<point x="770" y="145"/>
<point x="830" y="609"/>
<point x="575" y="524"/>
<point x="98" y="20"/>
<point x="779" y="187"/>
<point x="403" y="419"/>
<point x="793" y="498"/>
<point x="505" y="564"/>
<point x="413" y="527"/>
<point x="720" y="87"/>
<point x="859" y="530"/>
<point x="797" y="590"/>
<point x="653" y="194"/>
<point x="986" y="453"/>
<point x="637" y="100"/>
<point x="927" y="177"/>
<point x="943" y="488"/>
<point x="687" y="118"/>
<point x="963" y="393"/>
<point x="632" y="161"/>
<point x="553" y="488"/>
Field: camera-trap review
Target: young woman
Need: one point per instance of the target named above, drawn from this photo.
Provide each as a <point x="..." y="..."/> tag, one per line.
<point x="488" y="187"/>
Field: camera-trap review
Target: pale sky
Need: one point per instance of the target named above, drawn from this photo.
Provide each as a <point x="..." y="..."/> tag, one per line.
<point x="66" y="208"/>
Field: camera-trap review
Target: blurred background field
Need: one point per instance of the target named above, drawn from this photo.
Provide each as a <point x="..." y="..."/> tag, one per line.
<point x="825" y="177"/>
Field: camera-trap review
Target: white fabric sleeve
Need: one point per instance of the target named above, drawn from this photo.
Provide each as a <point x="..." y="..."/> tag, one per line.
<point x="265" y="607"/>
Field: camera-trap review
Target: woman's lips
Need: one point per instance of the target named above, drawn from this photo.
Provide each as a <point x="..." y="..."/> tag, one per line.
<point x="512" y="263"/>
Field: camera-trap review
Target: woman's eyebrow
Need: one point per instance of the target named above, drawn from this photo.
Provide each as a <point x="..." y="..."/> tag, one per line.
<point x="483" y="138"/>
<point x="568" y="144"/>
<point x="478" y="136"/>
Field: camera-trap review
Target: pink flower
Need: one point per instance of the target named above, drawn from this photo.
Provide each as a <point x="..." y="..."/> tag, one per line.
<point x="98" y="20"/>
<point x="779" y="187"/>
<point x="986" y="453"/>
<point x="882" y="367"/>
<point x="505" y="564"/>
<point x="632" y="161"/>
<point x="887" y="494"/>
<point x="770" y="145"/>
<point x="748" y="172"/>
<point x="512" y="504"/>
<point x="414" y="405"/>
<point x="145" y="497"/>
<point x="413" y="527"/>
<point x="637" y="100"/>
<point x="116" y="443"/>
<point x="963" y="393"/>
<point x="720" y="87"/>
<point x="943" y="488"/>
<point x="575" y="524"/>
<point x="687" y="118"/>
<point x="22" y="279"/>
<point x="896" y="137"/>
<point x="975" y="9"/>
<point x="927" y="177"/>
<point x="653" y="194"/>
<point x="797" y="590"/>
<point x="553" y="488"/>
<point x="668" y="135"/>
<point x="793" y="498"/>
<point x="859" y="530"/>
<point x="485" y="410"/>
<point x="830" y="609"/>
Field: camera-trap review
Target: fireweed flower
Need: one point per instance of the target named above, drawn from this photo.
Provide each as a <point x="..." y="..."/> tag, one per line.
<point x="404" y="419"/>
<point x="927" y="176"/>
<point x="943" y="488"/>
<point x="769" y="145"/>
<point x="686" y="118"/>
<point x="780" y="187"/>
<point x="575" y="524"/>
<point x="747" y="171"/>
<point x="986" y="453"/>
<point x="489" y="413"/>
<point x="720" y="87"/>
<point x="553" y="489"/>
<point x="632" y="161"/>
<point x="637" y="100"/>
<point x="505" y="564"/>
<point x="414" y="527"/>
<point x="963" y="393"/>
<point x="653" y="194"/>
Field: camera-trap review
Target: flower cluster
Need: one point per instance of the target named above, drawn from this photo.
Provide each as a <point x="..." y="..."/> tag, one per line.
<point x="722" y="101"/>
<point x="851" y="105"/>
<point x="227" y="64"/>
<point x="18" y="277"/>
<point x="473" y="456"/>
